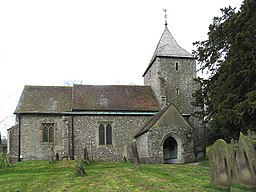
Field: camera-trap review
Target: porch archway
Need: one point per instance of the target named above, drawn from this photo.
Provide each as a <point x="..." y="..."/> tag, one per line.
<point x="172" y="149"/>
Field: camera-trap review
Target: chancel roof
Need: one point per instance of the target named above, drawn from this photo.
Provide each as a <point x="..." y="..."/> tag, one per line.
<point x="44" y="99"/>
<point x="57" y="99"/>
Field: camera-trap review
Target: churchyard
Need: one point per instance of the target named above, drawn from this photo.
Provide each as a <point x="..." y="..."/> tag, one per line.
<point x="230" y="168"/>
<point x="107" y="176"/>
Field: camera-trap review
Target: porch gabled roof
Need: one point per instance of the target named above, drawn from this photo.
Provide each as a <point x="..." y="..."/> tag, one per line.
<point x="169" y="116"/>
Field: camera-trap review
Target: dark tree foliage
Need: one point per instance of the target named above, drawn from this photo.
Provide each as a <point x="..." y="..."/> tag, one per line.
<point x="228" y="98"/>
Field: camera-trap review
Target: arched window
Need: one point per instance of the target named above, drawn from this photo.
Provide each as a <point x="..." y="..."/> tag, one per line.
<point x="109" y="134"/>
<point x="105" y="134"/>
<point x="48" y="132"/>
<point x="101" y="134"/>
<point x="51" y="134"/>
<point x="45" y="134"/>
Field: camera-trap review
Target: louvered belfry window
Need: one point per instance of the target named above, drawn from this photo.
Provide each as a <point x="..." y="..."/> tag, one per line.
<point x="48" y="132"/>
<point x="105" y="134"/>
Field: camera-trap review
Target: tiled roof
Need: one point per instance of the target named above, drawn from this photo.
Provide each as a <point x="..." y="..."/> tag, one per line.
<point x="45" y="99"/>
<point x="114" y="98"/>
<point x="168" y="47"/>
<point x="55" y="99"/>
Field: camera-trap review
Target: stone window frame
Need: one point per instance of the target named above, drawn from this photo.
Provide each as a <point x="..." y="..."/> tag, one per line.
<point x="48" y="125"/>
<point x="104" y="125"/>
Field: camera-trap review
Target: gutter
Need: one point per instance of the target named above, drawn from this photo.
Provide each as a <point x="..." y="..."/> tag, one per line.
<point x="94" y="113"/>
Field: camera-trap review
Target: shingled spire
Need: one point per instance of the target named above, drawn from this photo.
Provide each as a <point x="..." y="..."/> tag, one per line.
<point x="168" y="47"/>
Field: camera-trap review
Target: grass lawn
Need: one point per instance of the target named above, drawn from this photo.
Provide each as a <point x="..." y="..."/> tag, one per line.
<point x="108" y="176"/>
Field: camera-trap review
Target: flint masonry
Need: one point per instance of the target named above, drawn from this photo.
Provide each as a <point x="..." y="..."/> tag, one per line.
<point x="106" y="119"/>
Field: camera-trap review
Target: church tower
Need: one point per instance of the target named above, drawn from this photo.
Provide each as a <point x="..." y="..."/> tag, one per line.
<point x="171" y="73"/>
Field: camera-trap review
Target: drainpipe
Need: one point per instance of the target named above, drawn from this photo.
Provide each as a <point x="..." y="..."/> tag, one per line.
<point x="19" y="126"/>
<point x="72" y="139"/>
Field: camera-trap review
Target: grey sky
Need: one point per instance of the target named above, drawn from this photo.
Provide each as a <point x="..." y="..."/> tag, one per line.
<point x="98" y="42"/>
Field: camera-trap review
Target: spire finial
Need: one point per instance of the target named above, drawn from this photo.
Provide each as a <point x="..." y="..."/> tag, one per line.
<point x="165" y="17"/>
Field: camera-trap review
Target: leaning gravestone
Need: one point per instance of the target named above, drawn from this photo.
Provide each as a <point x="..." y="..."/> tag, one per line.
<point x="80" y="169"/>
<point x="135" y="154"/>
<point x="245" y="172"/>
<point x="219" y="160"/>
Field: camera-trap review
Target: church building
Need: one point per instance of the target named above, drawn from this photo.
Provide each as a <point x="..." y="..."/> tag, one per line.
<point x="106" y="119"/>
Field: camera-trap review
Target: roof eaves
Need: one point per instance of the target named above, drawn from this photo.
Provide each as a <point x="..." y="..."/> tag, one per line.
<point x="147" y="113"/>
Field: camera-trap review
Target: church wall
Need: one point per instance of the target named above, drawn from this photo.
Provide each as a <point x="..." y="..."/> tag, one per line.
<point x="152" y="79"/>
<point x="156" y="138"/>
<point x="85" y="134"/>
<point x="123" y="130"/>
<point x="179" y="85"/>
<point x="178" y="76"/>
<point x="32" y="146"/>
<point x="143" y="146"/>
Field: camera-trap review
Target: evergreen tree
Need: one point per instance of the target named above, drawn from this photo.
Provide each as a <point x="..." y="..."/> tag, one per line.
<point x="229" y="55"/>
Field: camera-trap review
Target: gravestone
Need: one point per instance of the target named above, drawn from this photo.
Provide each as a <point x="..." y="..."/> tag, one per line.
<point x="135" y="154"/>
<point x="245" y="161"/>
<point x="219" y="160"/>
<point x="125" y="154"/>
<point x="91" y="150"/>
<point x="52" y="155"/>
<point x="86" y="155"/>
<point x="234" y="164"/>
<point x="79" y="168"/>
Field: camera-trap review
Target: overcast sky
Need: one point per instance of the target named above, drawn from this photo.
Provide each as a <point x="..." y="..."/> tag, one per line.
<point x="47" y="42"/>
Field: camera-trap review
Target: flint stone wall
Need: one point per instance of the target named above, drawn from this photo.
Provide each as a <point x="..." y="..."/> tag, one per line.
<point x="123" y="130"/>
<point x="32" y="147"/>
<point x="177" y="87"/>
<point x="85" y="135"/>
<point x="155" y="138"/>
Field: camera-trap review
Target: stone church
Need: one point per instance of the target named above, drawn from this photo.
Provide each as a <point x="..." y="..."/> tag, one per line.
<point x="107" y="118"/>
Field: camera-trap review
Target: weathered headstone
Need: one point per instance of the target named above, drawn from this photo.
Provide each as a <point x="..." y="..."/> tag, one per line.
<point x="86" y="155"/>
<point x="245" y="172"/>
<point x="80" y="168"/>
<point x="52" y="155"/>
<point x="234" y="164"/>
<point x="125" y="154"/>
<point x="135" y="154"/>
<point x="9" y="160"/>
<point x="219" y="160"/>
<point x="91" y="150"/>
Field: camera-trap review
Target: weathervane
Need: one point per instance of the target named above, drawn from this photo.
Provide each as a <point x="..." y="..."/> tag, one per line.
<point x="165" y="16"/>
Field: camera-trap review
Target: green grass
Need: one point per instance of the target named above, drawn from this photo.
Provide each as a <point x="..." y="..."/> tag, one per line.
<point x="108" y="176"/>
